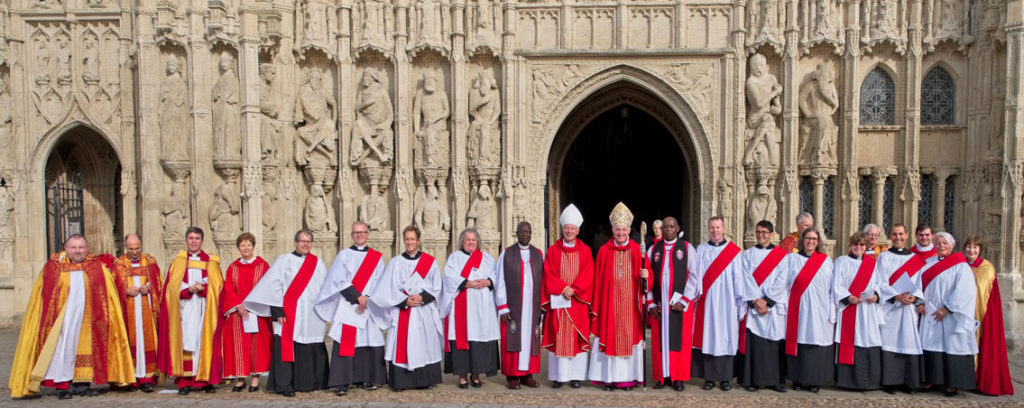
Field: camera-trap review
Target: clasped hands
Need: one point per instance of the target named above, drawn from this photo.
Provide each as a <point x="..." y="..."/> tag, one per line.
<point x="197" y="287"/>
<point x="414" y="300"/>
<point x="134" y="291"/>
<point x="477" y="283"/>
<point x="856" y="300"/>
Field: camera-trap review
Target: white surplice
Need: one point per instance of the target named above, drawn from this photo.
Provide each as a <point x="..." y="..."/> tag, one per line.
<point x="956" y="290"/>
<point x="481" y="312"/>
<point x="771" y="325"/>
<point x="332" y="306"/>
<point x="140" y="337"/>
<point x="501" y="299"/>
<point x="817" y="309"/>
<point x="899" y="329"/>
<point x="867" y="332"/>
<point x="424" y="334"/>
<point x="309" y="328"/>
<point x="724" y="305"/>
<point x="62" y="364"/>
<point x="668" y="296"/>
<point x="193" y="310"/>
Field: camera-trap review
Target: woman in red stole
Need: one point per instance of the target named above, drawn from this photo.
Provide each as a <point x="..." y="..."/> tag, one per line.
<point x="992" y="366"/>
<point x="246" y="353"/>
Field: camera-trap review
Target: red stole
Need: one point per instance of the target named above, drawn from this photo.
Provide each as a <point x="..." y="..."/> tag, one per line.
<point x="867" y="267"/>
<point x="291" y="299"/>
<point x="770" y="262"/>
<point x="461" y="338"/>
<point x="710" y="276"/>
<point x="924" y="254"/>
<point x="914" y="264"/>
<point x="940" y="267"/>
<point x="347" y="347"/>
<point x="402" y="344"/>
<point x="803" y="280"/>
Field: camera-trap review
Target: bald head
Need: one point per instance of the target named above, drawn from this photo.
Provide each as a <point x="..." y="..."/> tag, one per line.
<point x="133" y="247"/>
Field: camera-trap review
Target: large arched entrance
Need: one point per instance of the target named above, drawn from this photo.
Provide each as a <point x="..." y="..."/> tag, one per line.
<point x="623" y="144"/>
<point x="83" y="177"/>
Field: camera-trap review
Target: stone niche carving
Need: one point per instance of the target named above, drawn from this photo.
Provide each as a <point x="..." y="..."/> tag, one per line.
<point x="484" y="138"/>
<point x="319" y="212"/>
<point x="223" y="212"/>
<point x="372" y="137"/>
<point x="375" y="24"/>
<point x="821" y="21"/>
<point x="760" y="206"/>
<point x="8" y="194"/>
<point x="430" y="110"/>
<point x="316" y="141"/>
<point x="270" y="127"/>
<point x="429" y="24"/>
<point x="818" y="102"/>
<point x="765" y="23"/>
<point x="226" y="112"/>
<point x="946" y="20"/>
<point x="764" y="103"/>
<point x="317" y="18"/>
<point x="484" y="22"/>
<point x="51" y="81"/>
<point x="483" y="212"/>
<point x="883" y="21"/>
<point x="6" y="121"/>
<point x="173" y="115"/>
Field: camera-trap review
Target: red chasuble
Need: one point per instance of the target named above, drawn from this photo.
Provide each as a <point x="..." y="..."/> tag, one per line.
<point x="803" y="280"/>
<point x="567" y="331"/>
<point x="867" y="268"/>
<point x="402" y="344"/>
<point x="993" y="370"/>
<point x="770" y="262"/>
<point x="347" y="347"/>
<point x="710" y="276"/>
<point x="243" y="353"/>
<point x="617" y="299"/>
<point x="291" y="299"/>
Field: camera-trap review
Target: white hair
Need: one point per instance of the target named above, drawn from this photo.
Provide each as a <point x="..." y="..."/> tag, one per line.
<point x="869" y="227"/>
<point x="948" y="237"/>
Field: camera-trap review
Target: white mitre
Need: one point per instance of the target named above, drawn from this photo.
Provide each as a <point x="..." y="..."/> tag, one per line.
<point x="571" y="215"/>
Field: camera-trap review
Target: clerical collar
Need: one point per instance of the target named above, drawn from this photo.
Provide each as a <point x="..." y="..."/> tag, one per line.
<point x="194" y="255"/>
<point x="412" y="257"/>
<point x="770" y="246"/>
<point x="899" y="251"/>
<point x="463" y="250"/>
<point x="363" y="248"/>
<point x="805" y="254"/>
<point x="924" y="248"/>
<point x="852" y="256"/>
<point x="568" y="244"/>
<point x="296" y="253"/>
<point x="718" y="244"/>
<point x="247" y="261"/>
<point x="135" y="261"/>
<point x="975" y="263"/>
<point x="524" y="248"/>
<point x="618" y="245"/>
<point x="667" y="242"/>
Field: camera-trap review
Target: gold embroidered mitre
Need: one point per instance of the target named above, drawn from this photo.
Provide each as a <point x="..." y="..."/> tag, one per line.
<point x="621" y="216"/>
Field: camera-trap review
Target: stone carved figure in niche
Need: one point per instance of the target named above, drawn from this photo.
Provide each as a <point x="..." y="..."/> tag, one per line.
<point x="430" y="20"/>
<point x="226" y="112"/>
<point x="764" y="102"/>
<point x="374" y="209"/>
<point x="482" y="211"/>
<point x="431" y="215"/>
<point x="760" y="206"/>
<point x="319" y="214"/>
<point x="223" y="209"/>
<point x="268" y="198"/>
<point x="952" y="17"/>
<point x="818" y="102"/>
<point x="881" y="20"/>
<point x="484" y="111"/>
<point x="314" y="17"/>
<point x="43" y="61"/>
<point x="314" y="108"/>
<point x="430" y="123"/>
<point x="372" y="138"/>
<point x="824" y="20"/>
<point x="6" y="123"/>
<point x="91" y="60"/>
<point x="376" y="21"/>
<point x="270" y="128"/>
<point x="764" y="17"/>
<point x="174" y="210"/>
<point x="485" y="23"/>
<point x="63" y="58"/>
<point x="725" y="198"/>
<point x="173" y="113"/>
<point x="7" y="198"/>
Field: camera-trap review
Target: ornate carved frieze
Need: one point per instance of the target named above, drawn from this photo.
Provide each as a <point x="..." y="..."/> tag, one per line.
<point x="818" y="102"/>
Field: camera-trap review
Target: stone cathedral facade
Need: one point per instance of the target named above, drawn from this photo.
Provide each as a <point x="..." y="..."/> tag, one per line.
<point x="268" y="116"/>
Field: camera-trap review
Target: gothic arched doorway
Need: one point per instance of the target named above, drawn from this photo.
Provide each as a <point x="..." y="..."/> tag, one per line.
<point x="83" y="183"/>
<point x="623" y="144"/>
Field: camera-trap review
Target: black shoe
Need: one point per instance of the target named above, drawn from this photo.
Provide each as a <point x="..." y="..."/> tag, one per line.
<point x="341" y="391"/>
<point x="289" y="394"/>
<point x="238" y="388"/>
<point x="679" y="386"/>
<point x="463" y="385"/>
<point x="751" y="388"/>
<point x="254" y="389"/>
<point x="889" y="389"/>
<point x="369" y="386"/>
<point x="725" y="386"/>
<point x="556" y="384"/>
<point x="608" y="387"/>
<point x="64" y="394"/>
<point x="88" y="392"/>
<point x="906" y="389"/>
<point x="708" y="385"/>
<point x="475" y="382"/>
<point x="184" y="391"/>
<point x="950" y="393"/>
<point x="778" y="388"/>
<point x="147" y="387"/>
<point x="797" y="387"/>
<point x="208" y="388"/>
<point x="814" y="389"/>
<point x="658" y="385"/>
<point x="575" y="384"/>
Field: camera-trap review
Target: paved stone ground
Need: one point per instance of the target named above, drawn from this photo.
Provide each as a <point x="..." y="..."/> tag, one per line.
<point x="494" y="394"/>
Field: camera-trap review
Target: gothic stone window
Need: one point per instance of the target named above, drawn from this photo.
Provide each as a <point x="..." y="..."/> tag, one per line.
<point x="828" y="207"/>
<point x="877" y="99"/>
<point x="938" y="96"/>
<point x="867" y="198"/>
<point x="950" y="200"/>
<point x="806" y="200"/>
<point x="925" y="206"/>
<point x="887" y="203"/>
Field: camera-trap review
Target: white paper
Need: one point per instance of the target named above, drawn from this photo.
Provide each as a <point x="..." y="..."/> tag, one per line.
<point x="904" y="285"/>
<point x="346" y="314"/>
<point x="867" y="295"/>
<point x="560" y="302"/>
<point x="251" y="325"/>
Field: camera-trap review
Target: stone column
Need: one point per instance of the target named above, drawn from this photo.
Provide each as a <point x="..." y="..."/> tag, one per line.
<point x="819" y="176"/>
<point x="878" y="177"/>
<point x="1013" y="156"/>
<point x="733" y="147"/>
<point x="345" y="87"/>
<point x="249" y="88"/>
<point x="846" y="217"/>
<point x="789" y="193"/>
<point x="940" y="175"/>
<point x="405" y="89"/>
<point x="912" y="124"/>
<point x="460" y="123"/>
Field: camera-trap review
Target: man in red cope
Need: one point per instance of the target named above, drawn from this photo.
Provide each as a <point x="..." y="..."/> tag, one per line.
<point x="138" y="284"/>
<point x="789" y="242"/>
<point x="287" y="294"/>
<point x="357" y="324"/>
<point x="568" y="287"/>
<point x="517" y="295"/>
<point x="617" y="360"/>
<point x="674" y="264"/>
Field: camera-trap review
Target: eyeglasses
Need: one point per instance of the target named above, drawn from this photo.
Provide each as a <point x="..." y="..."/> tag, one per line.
<point x="360" y="232"/>
<point x="858" y="244"/>
<point x="304" y="241"/>
<point x="762" y="232"/>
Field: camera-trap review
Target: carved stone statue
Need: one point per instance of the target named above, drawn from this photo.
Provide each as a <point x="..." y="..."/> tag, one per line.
<point x="226" y="113"/>
<point x="818" y="132"/>
<point x="725" y="199"/>
<point x="430" y="123"/>
<point x="43" y="61"/>
<point x="319" y="213"/>
<point x="63" y="59"/>
<point x="482" y="211"/>
<point x="270" y="128"/>
<point x="6" y="122"/>
<point x="315" y="17"/>
<point x="376" y="24"/>
<point x="7" y="198"/>
<point x="951" y="21"/>
<point x="764" y="17"/>
<point x="374" y="210"/>
<point x="222" y="211"/>
<point x="881" y="20"/>
<point x="314" y="108"/>
<point x="91" y="61"/>
<point x="763" y="104"/>
<point x="485" y="23"/>
<point x="173" y="113"/>
<point x="430" y="20"/>
<point x="432" y="215"/>
<point x="484" y="110"/>
<point x="372" y="138"/>
<point x="760" y="206"/>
